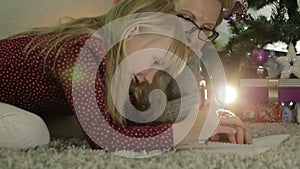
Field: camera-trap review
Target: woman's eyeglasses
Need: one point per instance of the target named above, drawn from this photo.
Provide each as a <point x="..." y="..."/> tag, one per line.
<point x="205" y="32"/>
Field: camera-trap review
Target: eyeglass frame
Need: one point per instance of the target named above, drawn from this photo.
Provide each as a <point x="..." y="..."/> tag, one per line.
<point x="214" y="35"/>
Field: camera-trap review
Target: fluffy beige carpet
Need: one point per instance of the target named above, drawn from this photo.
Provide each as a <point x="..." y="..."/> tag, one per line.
<point x="75" y="154"/>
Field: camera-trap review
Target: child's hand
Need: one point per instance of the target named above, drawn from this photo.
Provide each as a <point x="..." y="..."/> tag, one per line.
<point x="233" y="129"/>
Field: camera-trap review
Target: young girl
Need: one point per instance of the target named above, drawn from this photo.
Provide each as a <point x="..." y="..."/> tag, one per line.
<point x="65" y="68"/>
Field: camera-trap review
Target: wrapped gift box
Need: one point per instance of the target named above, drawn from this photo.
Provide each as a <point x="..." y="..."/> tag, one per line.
<point x="260" y="99"/>
<point x="270" y="90"/>
<point x="260" y="112"/>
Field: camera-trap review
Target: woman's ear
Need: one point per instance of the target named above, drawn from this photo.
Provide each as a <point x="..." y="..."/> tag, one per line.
<point x="133" y="31"/>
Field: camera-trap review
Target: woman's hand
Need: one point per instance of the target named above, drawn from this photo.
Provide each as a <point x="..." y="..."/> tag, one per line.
<point x="232" y="129"/>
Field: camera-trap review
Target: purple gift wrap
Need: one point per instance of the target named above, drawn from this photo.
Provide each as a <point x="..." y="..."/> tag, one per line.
<point x="269" y="90"/>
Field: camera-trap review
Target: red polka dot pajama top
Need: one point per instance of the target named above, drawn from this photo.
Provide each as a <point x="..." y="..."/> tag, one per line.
<point x="44" y="83"/>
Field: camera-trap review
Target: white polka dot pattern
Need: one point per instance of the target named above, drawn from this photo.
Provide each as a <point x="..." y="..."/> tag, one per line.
<point x="37" y="84"/>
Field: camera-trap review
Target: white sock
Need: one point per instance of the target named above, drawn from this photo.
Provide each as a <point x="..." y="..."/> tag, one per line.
<point x="20" y="129"/>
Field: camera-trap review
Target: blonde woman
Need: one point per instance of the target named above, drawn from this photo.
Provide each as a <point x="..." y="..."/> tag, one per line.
<point x="65" y="68"/>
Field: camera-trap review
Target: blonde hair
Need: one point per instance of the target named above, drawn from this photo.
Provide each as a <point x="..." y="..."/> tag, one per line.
<point x="146" y="23"/>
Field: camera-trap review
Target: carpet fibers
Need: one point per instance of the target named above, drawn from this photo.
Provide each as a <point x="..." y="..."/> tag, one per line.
<point x="75" y="154"/>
